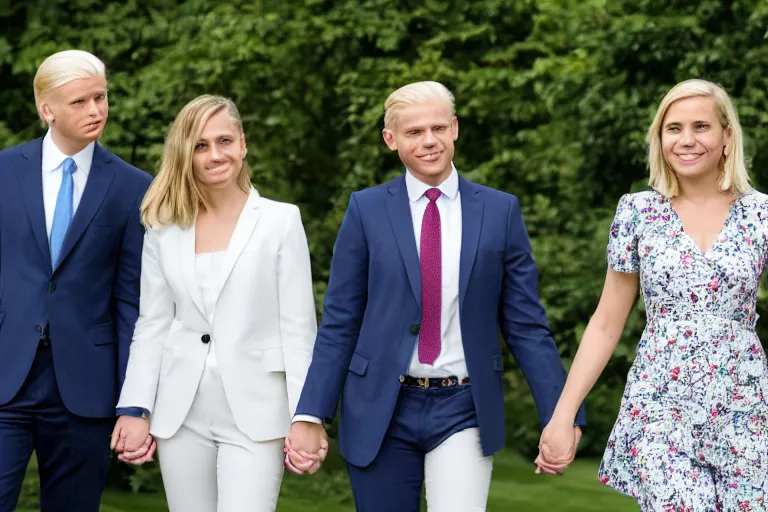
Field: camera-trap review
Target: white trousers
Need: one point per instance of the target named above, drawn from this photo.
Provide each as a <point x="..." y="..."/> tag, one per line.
<point x="209" y="465"/>
<point x="457" y="476"/>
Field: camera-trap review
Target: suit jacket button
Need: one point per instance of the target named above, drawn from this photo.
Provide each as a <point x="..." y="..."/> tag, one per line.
<point x="415" y="328"/>
<point x="205" y="338"/>
<point x="51" y="287"/>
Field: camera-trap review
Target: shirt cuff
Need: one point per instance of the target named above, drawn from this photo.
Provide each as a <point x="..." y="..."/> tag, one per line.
<point x="137" y="412"/>
<point x="308" y="418"/>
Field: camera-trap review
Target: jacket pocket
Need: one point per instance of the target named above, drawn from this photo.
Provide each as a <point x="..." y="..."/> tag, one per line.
<point x="103" y="334"/>
<point x="273" y="359"/>
<point x="358" y="365"/>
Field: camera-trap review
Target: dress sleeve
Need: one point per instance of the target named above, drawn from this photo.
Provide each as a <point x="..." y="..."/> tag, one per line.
<point x="622" y="241"/>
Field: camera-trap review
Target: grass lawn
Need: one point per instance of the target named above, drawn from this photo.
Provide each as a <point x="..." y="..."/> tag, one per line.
<point x="515" y="487"/>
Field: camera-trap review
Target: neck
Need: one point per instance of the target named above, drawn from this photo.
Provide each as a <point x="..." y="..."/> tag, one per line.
<point x="223" y="199"/>
<point x="701" y="189"/>
<point x="67" y="146"/>
<point x="435" y="180"/>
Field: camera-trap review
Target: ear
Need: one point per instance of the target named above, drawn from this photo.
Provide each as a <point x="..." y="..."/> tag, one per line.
<point x="455" y="127"/>
<point x="728" y="136"/>
<point x="389" y="138"/>
<point x="47" y="113"/>
<point x="243" y="147"/>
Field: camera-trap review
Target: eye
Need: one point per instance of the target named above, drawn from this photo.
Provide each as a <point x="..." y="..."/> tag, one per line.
<point x="414" y="132"/>
<point x="440" y="129"/>
<point x="673" y="129"/>
<point x="199" y="146"/>
<point x="76" y="102"/>
<point x="701" y="126"/>
<point x="226" y="140"/>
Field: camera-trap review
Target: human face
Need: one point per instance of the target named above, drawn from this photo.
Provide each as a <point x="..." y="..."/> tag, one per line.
<point x="219" y="151"/>
<point x="693" y="140"/>
<point x="76" y="112"/>
<point x="423" y="137"/>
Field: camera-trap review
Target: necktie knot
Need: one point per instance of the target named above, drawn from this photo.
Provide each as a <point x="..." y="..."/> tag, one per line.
<point x="69" y="166"/>
<point x="432" y="194"/>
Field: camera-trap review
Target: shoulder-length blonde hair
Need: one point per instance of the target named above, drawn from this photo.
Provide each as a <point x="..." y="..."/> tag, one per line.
<point x="174" y="196"/>
<point x="734" y="176"/>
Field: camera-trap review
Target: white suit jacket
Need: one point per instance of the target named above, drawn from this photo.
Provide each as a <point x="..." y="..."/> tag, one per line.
<point x="263" y="327"/>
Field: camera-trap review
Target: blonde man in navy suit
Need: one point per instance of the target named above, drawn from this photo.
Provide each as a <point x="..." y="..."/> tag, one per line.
<point x="70" y="258"/>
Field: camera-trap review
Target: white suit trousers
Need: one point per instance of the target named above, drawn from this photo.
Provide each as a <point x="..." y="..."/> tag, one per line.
<point x="209" y="465"/>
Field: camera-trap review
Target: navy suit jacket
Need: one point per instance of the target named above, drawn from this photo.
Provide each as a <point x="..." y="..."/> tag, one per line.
<point x="91" y="299"/>
<point x="372" y="314"/>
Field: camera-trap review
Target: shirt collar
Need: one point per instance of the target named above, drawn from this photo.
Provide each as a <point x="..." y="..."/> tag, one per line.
<point x="417" y="188"/>
<point x="53" y="157"/>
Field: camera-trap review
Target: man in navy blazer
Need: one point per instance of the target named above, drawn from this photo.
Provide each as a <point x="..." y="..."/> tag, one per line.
<point x="70" y="255"/>
<point x="425" y="270"/>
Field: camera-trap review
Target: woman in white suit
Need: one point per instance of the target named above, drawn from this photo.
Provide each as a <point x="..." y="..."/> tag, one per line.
<point x="227" y="322"/>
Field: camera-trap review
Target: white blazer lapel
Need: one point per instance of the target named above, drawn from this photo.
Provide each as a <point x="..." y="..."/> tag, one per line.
<point x="187" y="246"/>
<point x="240" y="236"/>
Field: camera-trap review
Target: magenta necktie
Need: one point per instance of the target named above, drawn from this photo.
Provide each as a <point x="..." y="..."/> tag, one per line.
<point x="431" y="261"/>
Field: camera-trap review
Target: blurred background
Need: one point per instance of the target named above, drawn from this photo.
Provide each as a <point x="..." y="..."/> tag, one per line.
<point x="553" y="97"/>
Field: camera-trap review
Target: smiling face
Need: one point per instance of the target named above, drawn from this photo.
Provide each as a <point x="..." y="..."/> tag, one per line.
<point x="423" y="136"/>
<point x="693" y="139"/>
<point x="76" y="112"/>
<point x="218" y="154"/>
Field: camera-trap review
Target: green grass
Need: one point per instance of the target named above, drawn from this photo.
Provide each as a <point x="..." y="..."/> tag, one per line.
<point x="515" y="487"/>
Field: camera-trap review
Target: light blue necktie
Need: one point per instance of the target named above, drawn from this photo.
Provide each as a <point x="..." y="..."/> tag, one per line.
<point x="62" y="215"/>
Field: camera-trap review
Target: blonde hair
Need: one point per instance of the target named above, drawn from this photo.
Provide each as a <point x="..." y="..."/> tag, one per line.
<point x="416" y="94"/>
<point x="734" y="172"/>
<point x="61" y="68"/>
<point x="174" y="196"/>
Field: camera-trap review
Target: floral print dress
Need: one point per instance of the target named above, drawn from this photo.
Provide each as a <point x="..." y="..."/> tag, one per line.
<point x="692" y="430"/>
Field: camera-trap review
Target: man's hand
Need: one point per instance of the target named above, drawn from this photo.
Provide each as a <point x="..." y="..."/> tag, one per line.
<point x="557" y="447"/>
<point x="305" y="447"/>
<point x="130" y="434"/>
<point x="140" y="456"/>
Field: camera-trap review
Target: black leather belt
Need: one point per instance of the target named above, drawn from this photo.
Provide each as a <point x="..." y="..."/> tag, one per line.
<point x="433" y="382"/>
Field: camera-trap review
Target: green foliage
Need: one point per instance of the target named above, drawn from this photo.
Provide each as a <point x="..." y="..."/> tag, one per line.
<point x="554" y="98"/>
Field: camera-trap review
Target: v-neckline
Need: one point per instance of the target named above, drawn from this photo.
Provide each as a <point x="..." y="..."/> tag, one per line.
<point x="731" y="208"/>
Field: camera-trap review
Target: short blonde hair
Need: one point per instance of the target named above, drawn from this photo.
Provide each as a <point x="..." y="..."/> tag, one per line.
<point x="416" y="94"/>
<point x="734" y="176"/>
<point x="174" y="196"/>
<point x="61" y="68"/>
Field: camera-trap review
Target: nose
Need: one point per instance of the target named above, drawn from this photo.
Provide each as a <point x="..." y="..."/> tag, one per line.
<point x="686" y="137"/>
<point x="93" y="111"/>
<point x="215" y="152"/>
<point x="429" y="138"/>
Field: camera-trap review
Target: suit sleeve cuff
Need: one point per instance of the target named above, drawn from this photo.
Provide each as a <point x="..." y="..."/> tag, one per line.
<point x="308" y="418"/>
<point x="137" y="412"/>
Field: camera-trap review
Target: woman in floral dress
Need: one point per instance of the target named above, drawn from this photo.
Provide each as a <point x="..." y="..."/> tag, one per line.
<point x="692" y="431"/>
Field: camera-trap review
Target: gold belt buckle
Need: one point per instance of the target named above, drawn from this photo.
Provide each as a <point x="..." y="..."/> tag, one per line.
<point x="423" y="383"/>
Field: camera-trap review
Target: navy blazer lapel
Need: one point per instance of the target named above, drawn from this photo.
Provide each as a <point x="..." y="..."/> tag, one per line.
<point x="30" y="177"/>
<point x="99" y="180"/>
<point x="471" y="223"/>
<point x="399" y="211"/>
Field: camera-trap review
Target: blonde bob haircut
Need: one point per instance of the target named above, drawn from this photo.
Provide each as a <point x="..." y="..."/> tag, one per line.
<point x="174" y="196"/>
<point x="416" y="93"/>
<point x="61" y="68"/>
<point x="734" y="177"/>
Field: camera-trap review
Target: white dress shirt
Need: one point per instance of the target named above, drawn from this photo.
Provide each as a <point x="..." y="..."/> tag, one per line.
<point x="451" y="359"/>
<point x="53" y="160"/>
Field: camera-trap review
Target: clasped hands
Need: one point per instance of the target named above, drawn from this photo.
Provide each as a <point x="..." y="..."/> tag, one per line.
<point x="305" y="447"/>
<point x="557" y="447"/>
<point x="132" y="441"/>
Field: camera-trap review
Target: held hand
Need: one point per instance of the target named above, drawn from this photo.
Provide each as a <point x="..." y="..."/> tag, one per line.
<point x="306" y="447"/>
<point x="142" y="455"/>
<point x="129" y="434"/>
<point x="557" y="447"/>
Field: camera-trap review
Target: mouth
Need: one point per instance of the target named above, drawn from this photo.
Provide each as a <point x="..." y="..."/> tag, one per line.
<point x="430" y="157"/>
<point x="689" y="158"/>
<point x="215" y="171"/>
<point x="91" y="126"/>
